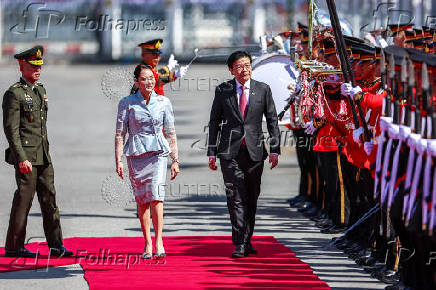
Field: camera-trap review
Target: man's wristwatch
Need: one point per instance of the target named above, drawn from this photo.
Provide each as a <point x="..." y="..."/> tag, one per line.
<point x="175" y="160"/>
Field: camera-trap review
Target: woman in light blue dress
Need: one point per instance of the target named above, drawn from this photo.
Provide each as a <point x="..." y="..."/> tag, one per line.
<point x="148" y="120"/>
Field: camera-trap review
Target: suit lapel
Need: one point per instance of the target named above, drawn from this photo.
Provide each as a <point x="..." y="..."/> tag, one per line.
<point x="234" y="101"/>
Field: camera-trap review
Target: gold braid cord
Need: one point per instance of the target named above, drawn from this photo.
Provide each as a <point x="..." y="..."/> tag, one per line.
<point x="338" y="117"/>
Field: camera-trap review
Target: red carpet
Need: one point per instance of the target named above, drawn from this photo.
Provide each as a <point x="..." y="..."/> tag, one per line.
<point x="192" y="263"/>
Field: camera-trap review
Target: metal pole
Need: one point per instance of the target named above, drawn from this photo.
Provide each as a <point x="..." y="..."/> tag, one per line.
<point x="1" y="30"/>
<point x="310" y="21"/>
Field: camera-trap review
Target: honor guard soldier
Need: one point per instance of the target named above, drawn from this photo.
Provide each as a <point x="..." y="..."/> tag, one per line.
<point x="24" y="122"/>
<point x="150" y="53"/>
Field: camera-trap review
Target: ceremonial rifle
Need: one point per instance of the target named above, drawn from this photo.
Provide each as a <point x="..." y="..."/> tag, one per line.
<point x="421" y="147"/>
<point x="388" y="166"/>
<point x="426" y="197"/>
<point x="347" y="72"/>
<point x="387" y="113"/>
<point x="432" y="115"/>
<point x="405" y="108"/>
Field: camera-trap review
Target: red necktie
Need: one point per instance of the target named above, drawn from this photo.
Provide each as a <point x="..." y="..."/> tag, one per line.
<point x="242" y="107"/>
<point x="243" y="102"/>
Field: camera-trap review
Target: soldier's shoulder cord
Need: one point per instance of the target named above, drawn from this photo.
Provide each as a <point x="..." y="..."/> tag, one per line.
<point x="17" y="85"/>
<point x="17" y="89"/>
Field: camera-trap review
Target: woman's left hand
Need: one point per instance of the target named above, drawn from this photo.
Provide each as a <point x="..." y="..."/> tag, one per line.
<point x="174" y="169"/>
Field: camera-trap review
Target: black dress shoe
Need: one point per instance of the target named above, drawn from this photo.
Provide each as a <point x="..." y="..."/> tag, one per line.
<point x="343" y="246"/>
<point x="240" y="252"/>
<point x="305" y="206"/>
<point x="300" y="204"/>
<point x="353" y="249"/>
<point x="374" y="267"/>
<point x="320" y="216"/>
<point x="250" y="249"/>
<point x="368" y="262"/>
<point x="312" y="212"/>
<point x="296" y="199"/>
<point x="362" y="256"/>
<point x="22" y="253"/>
<point x="390" y="277"/>
<point x="325" y="223"/>
<point x="60" y="252"/>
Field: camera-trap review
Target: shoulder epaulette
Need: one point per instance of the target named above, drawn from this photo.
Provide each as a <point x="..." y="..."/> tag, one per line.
<point x="17" y="85"/>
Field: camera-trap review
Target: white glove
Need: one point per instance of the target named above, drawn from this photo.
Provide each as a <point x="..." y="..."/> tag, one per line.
<point x="356" y="135"/>
<point x="354" y="91"/>
<point x="368" y="147"/>
<point x="348" y="90"/>
<point x="172" y="63"/>
<point x="181" y="72"/>
<point x="309" y="128"/>
<point x="345" y="89"/>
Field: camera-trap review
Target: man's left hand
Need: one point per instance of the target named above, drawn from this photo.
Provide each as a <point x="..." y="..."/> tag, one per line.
<point x="273" y="159"/>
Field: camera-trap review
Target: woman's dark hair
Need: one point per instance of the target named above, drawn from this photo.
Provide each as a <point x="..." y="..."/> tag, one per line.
<point x="139" y="68"/>
<point x="237" y="55"/>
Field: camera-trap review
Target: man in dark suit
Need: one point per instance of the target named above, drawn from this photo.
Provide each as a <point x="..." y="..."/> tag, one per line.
<point x="236" y="116"/>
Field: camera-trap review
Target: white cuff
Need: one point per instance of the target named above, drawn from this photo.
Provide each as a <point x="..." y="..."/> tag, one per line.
<point x="385" y="122"/>
<point x="394" y="131"/>
<point x="413" y="140"/>
<point x="404" y="133"/>
<point x="431" y="147"/>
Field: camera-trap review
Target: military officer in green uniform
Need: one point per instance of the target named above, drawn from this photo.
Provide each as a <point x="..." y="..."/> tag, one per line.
<point x="24" y="122"/>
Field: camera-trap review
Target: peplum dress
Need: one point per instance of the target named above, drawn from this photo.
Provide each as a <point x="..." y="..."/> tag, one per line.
<point x="151" y="139"/>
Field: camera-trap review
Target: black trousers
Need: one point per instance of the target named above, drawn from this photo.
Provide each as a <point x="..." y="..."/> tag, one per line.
<point x="307" y="162"/>
<point x="331" y="177"/>
<point x="242" y="179"/>
<point x="41" y="180"/>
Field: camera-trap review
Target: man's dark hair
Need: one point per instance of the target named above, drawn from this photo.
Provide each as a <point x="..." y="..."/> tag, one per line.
<point x="139" y="68"/>
<point x="237" y="55"/>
